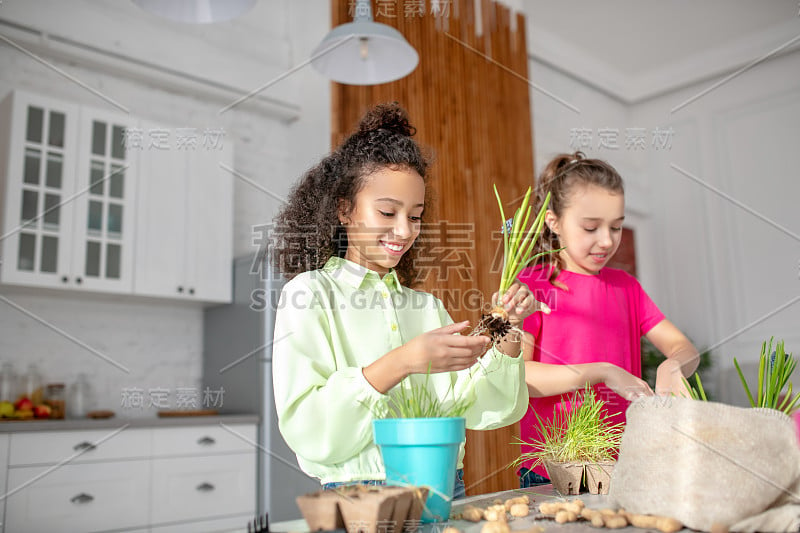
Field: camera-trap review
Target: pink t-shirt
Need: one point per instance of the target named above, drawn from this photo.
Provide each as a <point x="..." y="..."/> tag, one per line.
<point x="598" y="318"/>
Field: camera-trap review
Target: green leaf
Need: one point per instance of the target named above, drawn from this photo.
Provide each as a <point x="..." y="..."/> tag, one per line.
<point x="744" y="383"/>
<point x="520" y="241"/>
<point x="773" y="378"/>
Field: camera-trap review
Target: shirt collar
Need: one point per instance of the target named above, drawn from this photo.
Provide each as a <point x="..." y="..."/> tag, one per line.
<point x="356" y="275"/>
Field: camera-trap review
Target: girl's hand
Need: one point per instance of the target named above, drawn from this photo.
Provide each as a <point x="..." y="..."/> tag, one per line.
<point x="443" y="351"/>
<point x="519" y="303"/>
<point x="670" y="380"/>
<point x="625" y="384"/>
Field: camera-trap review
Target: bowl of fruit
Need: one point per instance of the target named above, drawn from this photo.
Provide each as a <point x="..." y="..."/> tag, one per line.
<point x="28" y="408"/>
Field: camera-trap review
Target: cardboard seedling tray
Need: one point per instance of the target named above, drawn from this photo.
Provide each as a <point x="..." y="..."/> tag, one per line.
<point x="362" y="509"/>
<point x="598" y="477"/>
<point x="566" y="477"/>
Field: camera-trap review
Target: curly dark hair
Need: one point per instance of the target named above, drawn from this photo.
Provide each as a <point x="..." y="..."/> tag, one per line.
<point x="307" y="229"/>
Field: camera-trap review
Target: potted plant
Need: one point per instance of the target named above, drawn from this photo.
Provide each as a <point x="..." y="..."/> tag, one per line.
<point x="419" y="436"/>
<point x="520" y="235"/>
<point x="774" y="370"/>
<point x="578" y="445"/>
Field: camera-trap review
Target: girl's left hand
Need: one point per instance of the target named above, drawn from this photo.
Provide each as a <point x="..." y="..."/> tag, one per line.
<point x="670" y="380"/>
<point x="519" y="303"/>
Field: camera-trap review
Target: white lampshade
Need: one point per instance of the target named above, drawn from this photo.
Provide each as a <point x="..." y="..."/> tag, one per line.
<point x="364" y="52"/>
<point x="196" y="11"/>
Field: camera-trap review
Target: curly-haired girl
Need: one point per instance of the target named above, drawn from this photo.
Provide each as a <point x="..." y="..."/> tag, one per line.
<point x="349" y="328"/>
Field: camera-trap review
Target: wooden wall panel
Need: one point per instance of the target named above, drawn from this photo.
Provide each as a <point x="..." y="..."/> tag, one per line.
<point x="469" y="101"/>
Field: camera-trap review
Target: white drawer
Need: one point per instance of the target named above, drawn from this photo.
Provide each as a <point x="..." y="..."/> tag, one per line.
<point x="200" y="440"/>
<point x="87" y="497"/>
<point x="195" y="488"/>
<point x="52" y="447"/>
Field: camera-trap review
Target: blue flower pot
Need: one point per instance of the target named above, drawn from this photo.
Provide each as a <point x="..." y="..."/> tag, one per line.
<point x="422" y="452"/>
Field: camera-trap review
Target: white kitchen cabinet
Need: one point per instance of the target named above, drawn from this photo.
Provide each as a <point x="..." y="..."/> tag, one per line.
<point x="88" y="205"/>
<point x="86" y="497"/>
<point x="104" y="219"/>
<point x="204" y="440"/>
<point x="195" y="478"/>
<point x="198" y="488"/>
<point x="67" y="195"/>
<point x="51" y="447"/>
<point x="185" y="222"/>
<point x="201" y="472"/>
<point x="38" y="159"/>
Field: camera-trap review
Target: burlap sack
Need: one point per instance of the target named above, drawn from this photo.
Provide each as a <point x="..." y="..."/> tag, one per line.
<point x="707" y="463"/>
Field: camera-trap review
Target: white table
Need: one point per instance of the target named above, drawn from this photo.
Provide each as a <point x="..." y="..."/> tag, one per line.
<point x="538" y="494"/>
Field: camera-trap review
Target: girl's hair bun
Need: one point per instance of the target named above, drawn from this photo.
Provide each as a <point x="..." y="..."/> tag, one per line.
<point x="565" y="160"/>
<point x="389" y="117"/>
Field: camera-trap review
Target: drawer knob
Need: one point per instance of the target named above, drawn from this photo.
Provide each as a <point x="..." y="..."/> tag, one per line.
<point x="205" y="487"/>
<point x="82" y="498"/>
<point x="206" y="441"/>
<point x="84" y="446"/>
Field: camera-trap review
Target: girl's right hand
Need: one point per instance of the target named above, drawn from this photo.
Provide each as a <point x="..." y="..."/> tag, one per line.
<point x="442" y="351"/>
<point x="625" y="384"/>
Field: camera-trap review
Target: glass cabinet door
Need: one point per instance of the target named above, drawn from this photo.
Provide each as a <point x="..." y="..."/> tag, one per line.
<point x="39" y="175"/>
<point x="104" y="218"/>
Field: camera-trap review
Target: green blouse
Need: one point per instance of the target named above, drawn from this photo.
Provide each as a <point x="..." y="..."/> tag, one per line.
<point x="334" y="321"/>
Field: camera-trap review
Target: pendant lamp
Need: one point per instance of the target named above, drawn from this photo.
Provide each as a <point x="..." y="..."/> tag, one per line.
<point x="364" y="52"/>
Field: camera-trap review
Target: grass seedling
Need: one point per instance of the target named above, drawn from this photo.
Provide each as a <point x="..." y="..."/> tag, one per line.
<point x="581" y="433"/>
<point x="698" y="393"/>
<point x="520" y="236"/>
<point x="774" y="370"/>
<point x="415" y="400"/>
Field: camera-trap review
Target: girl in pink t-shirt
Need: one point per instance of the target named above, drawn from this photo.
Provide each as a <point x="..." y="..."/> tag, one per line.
<point x="598" y="315"/>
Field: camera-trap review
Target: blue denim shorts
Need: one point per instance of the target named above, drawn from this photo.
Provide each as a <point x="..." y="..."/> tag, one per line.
<point x="529" y="478"/>
<point x="459" y="489"/>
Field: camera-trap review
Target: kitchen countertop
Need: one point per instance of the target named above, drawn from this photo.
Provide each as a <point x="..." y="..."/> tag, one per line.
<point x="73" y="424"/>
<point x="538" y="495"/>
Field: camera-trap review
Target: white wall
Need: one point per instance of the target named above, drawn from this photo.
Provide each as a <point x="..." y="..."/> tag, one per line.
<point x="729" y="261"/>
<point x="161" y="341"/>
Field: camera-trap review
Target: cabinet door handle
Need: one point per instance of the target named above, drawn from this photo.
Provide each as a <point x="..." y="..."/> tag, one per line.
<point x="82" y="498"/>
<point x="180" y="289"/>
<point x="84" y="446"/>
<point x="206" y="441"/>
<point x="191" y="290"/>
<point x="64" y="279"/>
<point x="79" y="280"/>
<point x="205" y="487"/>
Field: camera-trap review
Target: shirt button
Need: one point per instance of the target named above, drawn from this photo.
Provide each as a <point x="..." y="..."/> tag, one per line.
<point x="394" y="327"/>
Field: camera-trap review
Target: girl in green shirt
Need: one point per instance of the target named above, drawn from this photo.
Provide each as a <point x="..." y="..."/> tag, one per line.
<point x="350" y="328"/>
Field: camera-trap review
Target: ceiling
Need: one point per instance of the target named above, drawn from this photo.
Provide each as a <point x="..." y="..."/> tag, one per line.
<point x="636" y="49"/>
